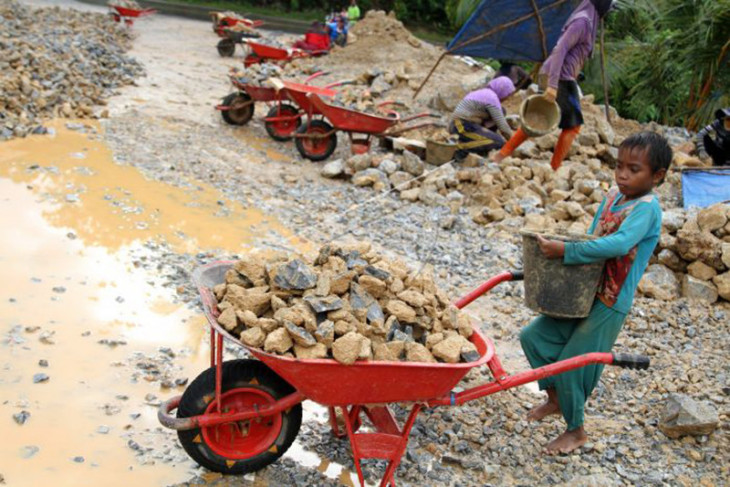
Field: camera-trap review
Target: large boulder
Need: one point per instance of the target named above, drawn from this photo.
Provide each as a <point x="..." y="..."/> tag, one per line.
<point x="660" y="283"/>
<point x="712" y="218"/>
<point x="683" y="415"/>
<point x="723" y="285"/>
<point x="704" y="246"/>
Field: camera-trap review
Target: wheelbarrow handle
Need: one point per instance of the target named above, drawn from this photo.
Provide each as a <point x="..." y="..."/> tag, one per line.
<point x="340" y="83"/>
<point x="315" y="75"/>
<point x="631" y="361"/>
<point x="488" y="285"/>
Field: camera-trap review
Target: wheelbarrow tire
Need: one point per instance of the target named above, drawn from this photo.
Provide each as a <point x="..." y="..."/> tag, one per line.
<point x="283" y="130"/>
<point x="226" y="47"/>
<point x="238" y="116"/>
<point x="223" y="448"/>
<point x="316" y="149"/>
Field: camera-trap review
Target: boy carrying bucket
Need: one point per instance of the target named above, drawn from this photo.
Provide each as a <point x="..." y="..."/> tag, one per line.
<point x="628" y="224"/>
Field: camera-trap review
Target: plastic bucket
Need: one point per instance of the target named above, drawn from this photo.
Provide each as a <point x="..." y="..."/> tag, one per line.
<point x="539" y="116"/>
<point x="553" y="288"/>
<point x="438" y="153"/>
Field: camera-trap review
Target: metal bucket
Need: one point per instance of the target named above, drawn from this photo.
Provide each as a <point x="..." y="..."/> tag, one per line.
<point x="538" y="116"/>
<point x="438" y="153"/>
<point x="553" y="288"/>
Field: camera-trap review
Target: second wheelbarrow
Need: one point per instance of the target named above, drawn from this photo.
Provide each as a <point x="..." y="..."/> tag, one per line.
<point x="317" y="139"/>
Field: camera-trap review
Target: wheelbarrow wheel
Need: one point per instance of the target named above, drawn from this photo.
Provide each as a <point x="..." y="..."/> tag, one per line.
<point x="226" y="47"/>
<point x="237" y="116"/>
<point x="282" y="130"/>
<point x="244" y="446"/>
<point x="319" y="148"/>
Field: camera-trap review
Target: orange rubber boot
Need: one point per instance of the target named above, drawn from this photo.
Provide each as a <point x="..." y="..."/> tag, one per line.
<point x="513" y="143"/>
<point x="567" y="136"/>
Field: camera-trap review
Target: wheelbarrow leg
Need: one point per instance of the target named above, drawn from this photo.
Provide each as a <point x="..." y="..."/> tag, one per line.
<point x="388" y="443"/>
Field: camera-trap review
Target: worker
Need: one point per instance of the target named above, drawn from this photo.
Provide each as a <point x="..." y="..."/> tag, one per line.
<point x="516" y="73"/>
<point x="717" y="148"/>
<point x="628" y="225"/>
<point x="559" y="73"/>
<point x="479" y="117"/>
<point x="353" y="12"/>
<point x="338" y="30"/>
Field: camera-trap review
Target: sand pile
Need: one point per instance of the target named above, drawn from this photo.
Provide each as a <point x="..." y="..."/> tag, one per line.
<point x="349" y="304"/>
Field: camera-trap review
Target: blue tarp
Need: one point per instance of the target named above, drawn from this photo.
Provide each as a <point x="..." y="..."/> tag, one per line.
<point x="705" y="187"/>
<point x="520" y="42"/>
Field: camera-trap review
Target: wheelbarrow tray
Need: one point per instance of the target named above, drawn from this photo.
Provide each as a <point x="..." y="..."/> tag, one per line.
<point x="330" y="383"/>
<point x="258" y="93"/>
<point x="297" y="92"/>
<point x="130" y="12"/>
<point x="349" y="120"/>
<point x="270" y="52"/>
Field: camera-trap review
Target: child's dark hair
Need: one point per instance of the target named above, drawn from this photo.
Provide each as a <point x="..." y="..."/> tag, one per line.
<point x="657" y="149"/>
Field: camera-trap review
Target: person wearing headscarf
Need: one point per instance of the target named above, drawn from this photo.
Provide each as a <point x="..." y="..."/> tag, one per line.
<point x="516" y="73"/>
<point x="559" y="74"/>
<point x="478" y="118"/>
<point x="717" y="147"/>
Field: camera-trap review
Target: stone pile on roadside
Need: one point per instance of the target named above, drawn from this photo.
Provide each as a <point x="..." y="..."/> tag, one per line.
<point x="349" y="304"/>
<point x="693" y="256"/>
<point x="57" y="63"/>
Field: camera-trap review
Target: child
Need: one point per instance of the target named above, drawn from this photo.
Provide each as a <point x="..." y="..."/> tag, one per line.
<point x="561" y="68"/>
<point x="628" y="224"/>
<point x="478" y="116"/>
<point x="719" y="147"/>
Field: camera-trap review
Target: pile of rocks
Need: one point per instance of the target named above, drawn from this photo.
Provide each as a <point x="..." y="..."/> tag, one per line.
<point x="57" y="62"/>
<point x="348" y="304"/>
<point x="693" y="256"/>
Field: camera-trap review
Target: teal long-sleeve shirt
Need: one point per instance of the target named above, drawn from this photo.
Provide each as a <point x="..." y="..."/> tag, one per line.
<point x="640" y="229"/>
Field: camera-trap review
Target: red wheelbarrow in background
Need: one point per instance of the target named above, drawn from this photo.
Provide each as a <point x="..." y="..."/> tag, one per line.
<point x="241" y="415"/>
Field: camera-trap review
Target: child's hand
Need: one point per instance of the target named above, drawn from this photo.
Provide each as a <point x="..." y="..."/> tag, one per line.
<point x="552" y="249"/>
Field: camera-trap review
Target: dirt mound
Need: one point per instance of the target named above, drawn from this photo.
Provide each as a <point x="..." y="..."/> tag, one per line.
<point x="384" y="52"/>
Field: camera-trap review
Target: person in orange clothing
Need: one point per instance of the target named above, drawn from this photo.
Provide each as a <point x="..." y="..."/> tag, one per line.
<point x="561" y="69"/>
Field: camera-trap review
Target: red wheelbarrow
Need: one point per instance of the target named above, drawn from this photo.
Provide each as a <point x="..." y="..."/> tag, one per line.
<point x="283" y="118"/>
<point x="241" y="415"/>
<point x="317" y="140"/>
<point x="261" y="53"/>
<point x="128" y="15"/>
<point x="220" y="24"/>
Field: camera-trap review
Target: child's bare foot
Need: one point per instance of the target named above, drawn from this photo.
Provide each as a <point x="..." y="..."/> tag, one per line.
<point x="547" y="408"/>
<point x="567" y="442"/>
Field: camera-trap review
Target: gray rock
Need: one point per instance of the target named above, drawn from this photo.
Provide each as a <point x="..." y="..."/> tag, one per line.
<point x="295" y="275"/>
<point x="673" y="219"/>
<point x="21" y="417"/>
<point x="29" y="451"/>
<point x="361" y="299"/>
<point x="698" y="290"/>
<point x="388" y="166"/>
<point x="379" y="85"/>
<point x="321" y="305"/>
<point x="325" y="332"/>
<point x="40" y="377"/>
<point x="412" y="164"/>
<point x="333" y="169"/>
<point x="683" y="415"/>
<point x="378" y="273"/>
<point x="299" y="335"/>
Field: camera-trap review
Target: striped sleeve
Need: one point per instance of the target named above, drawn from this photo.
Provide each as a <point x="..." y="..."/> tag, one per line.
<point x="498" y="118"/>
<point x="701" y="138"/>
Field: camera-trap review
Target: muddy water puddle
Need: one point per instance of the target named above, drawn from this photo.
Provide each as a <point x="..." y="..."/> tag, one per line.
<point x="90" y="341"/>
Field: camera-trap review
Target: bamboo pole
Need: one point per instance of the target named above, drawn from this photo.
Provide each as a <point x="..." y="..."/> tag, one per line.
<point x="540" y="29"/>
<point x="603" y="74"/>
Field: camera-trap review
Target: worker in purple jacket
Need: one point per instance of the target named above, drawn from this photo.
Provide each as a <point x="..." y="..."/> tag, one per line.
<point x="479" y="117"/>
<point x="561" y="69"/>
